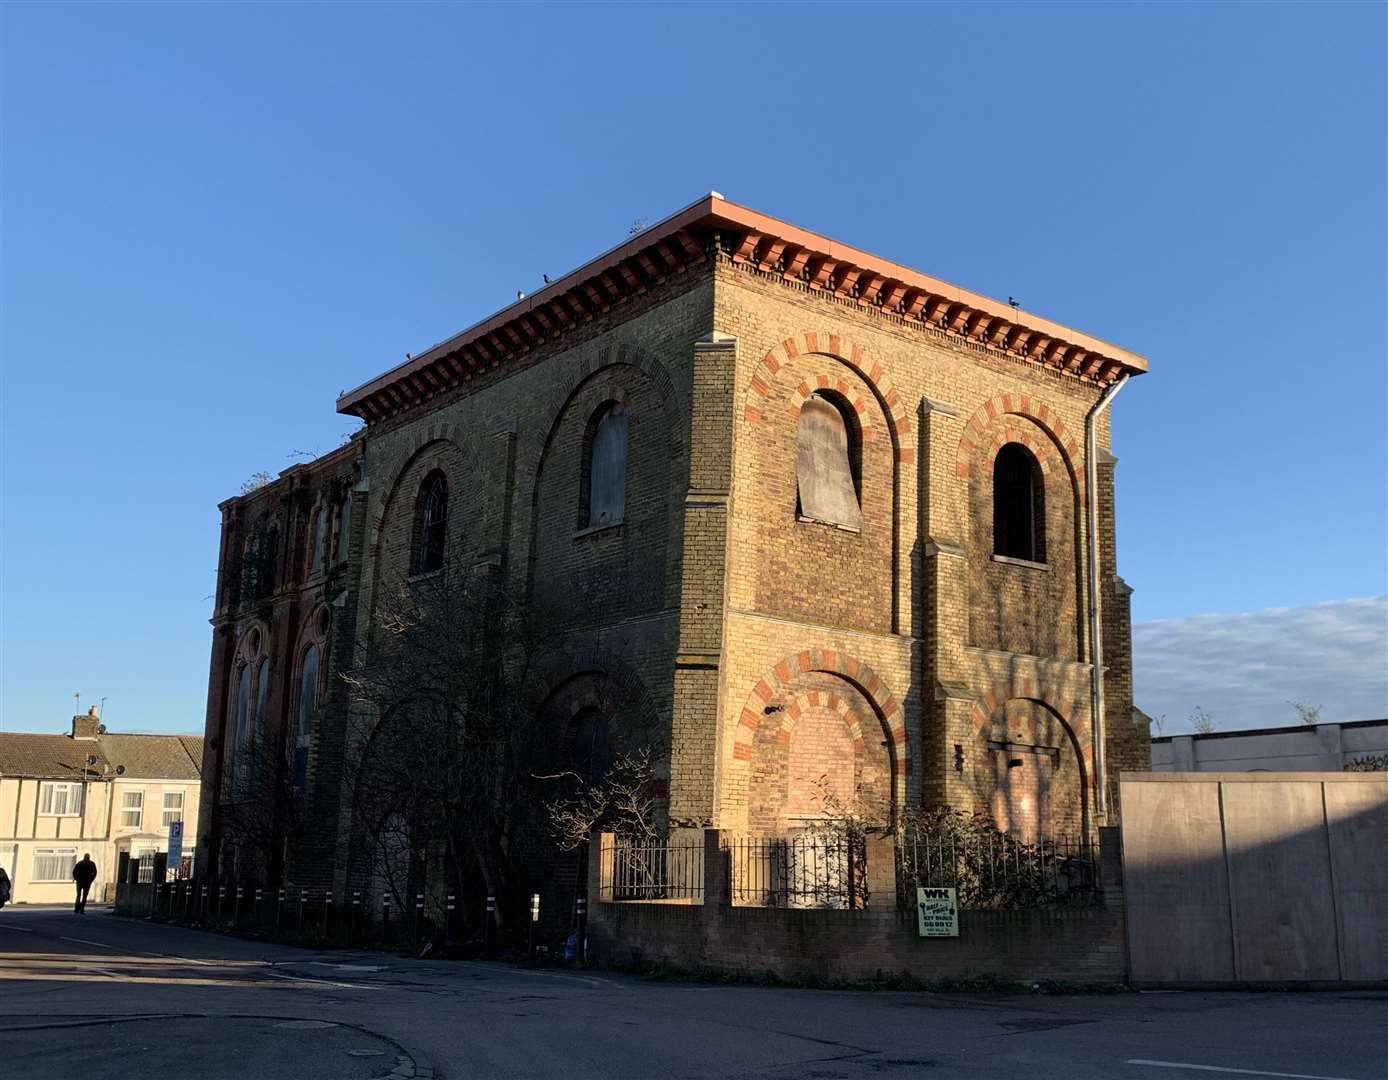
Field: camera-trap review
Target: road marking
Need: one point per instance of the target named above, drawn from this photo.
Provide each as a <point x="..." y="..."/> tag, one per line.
<point x="1221" y="1069"/>
<point x="16" y="929"/>
<point x="84" y="941"/>
<point x="185" y="959"/>
<point x="320" y="982"/>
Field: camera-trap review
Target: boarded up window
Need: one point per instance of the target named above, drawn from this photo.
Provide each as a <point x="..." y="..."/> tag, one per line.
<point x="1019" y="507"/>
<point x="607" y="475"/>
<point x="824" y="468"/>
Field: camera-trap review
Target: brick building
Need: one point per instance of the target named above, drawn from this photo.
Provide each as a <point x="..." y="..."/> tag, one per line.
<point x="817" y="514"/>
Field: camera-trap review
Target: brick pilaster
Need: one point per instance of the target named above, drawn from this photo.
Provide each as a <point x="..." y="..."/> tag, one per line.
<point x="694" y="743"/>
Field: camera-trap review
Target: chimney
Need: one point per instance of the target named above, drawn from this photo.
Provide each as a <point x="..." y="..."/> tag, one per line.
<point x="87" y="727"/>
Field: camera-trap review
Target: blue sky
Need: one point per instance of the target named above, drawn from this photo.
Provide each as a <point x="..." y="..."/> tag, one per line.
<point x="217" y="217"/>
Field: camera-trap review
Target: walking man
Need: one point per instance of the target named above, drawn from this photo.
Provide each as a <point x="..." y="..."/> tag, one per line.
<point x="84" y="873"/>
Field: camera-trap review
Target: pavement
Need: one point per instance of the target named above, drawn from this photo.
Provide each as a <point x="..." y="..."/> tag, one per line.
<point x="106" y="997"/>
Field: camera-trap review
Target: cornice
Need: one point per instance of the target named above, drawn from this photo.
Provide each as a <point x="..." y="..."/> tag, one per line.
<point x="714" y="227"/>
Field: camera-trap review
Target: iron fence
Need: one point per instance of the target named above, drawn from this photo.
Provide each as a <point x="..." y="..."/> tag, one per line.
<point x="809" y="870"/>
<point x="994" y="871"/>
<point x="653" y="869"/>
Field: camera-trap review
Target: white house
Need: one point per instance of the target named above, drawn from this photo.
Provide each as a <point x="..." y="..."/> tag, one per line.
<point x="63" y="796"/>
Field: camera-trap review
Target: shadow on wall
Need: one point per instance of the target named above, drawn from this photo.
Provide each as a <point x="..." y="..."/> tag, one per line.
<point x="1240" y="878"/>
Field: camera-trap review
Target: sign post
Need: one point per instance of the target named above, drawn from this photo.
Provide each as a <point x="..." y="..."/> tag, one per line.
<point x="937" y="912"/>
<point x="175" y="846"/>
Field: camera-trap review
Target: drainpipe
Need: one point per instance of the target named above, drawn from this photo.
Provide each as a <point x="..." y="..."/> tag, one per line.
<point x="1096" y="636"/>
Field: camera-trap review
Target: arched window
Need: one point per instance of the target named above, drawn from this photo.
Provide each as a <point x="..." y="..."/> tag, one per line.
<point x="605" y="467"/>
<point x="826" y="464"/>
<point x="262" y="698"/>
<point x="344" y="525"/>
<point x="307" y="717"/>
<point x="317" y="537"/>
<point x="243" y="725"/>
<point x="1019" y="505"/>
<point x="432" y="514"/>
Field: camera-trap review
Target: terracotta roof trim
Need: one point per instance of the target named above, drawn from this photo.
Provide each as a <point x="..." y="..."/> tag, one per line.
<point x="755" y="242"/>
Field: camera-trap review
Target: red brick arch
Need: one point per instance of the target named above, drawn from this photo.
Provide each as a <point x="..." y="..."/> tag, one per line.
<point x="1073" y="714"/>
<point x="790" y="716"/>
<point x="779" y="681"/>
<point x="982" y="439"/>
<point x="894" y="405"/>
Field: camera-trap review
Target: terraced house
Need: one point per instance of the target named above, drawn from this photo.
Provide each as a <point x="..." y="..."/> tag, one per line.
<point x="831" y="522"/>
<point x="91" y="791"/>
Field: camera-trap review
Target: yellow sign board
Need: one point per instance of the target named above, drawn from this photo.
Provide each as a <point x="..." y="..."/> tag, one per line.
<point x="937" y="912"/>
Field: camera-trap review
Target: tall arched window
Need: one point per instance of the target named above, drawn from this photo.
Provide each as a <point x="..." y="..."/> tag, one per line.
<point x="307" y="717"/>
<point x="262" y="700"/>
<point x="605" y="471"/>
<point x="241" y="735"/>
<point x="317" y="537"/>
<point x="432" y="530"/>
<point x="826" y="470"/>
<point x="1019" y="505"/>
<point x="344" y="526"/>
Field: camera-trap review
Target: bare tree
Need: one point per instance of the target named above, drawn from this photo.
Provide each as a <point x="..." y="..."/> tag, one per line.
<point x="258" y="806"/>
<point x="256" y="481"/>
<point x="625" y="799"/>
<point x="442" y="704"/>
<point x="1202" y="721"/>
<point x="1309" y="715"/>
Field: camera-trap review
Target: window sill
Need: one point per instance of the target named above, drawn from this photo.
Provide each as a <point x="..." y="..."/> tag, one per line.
<point x="803" y="520"/>
<point x="414" y="579"/>
<point x="1010" y="561"/>
<point x="594" y="529"/>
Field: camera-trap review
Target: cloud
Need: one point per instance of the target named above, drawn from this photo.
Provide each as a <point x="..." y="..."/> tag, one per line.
<point x="1245" y="668"/>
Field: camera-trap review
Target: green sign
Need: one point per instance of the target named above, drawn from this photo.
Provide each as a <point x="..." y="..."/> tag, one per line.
<point x="937" y="912"/>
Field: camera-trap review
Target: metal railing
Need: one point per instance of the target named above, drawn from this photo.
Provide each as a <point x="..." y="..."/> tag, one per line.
<point x="810" y="870"/>
<point x="653" y="869"/>
<point x="994" y="871"/>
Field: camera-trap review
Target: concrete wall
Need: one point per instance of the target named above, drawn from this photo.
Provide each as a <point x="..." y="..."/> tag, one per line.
<point x="1256" y="877"/>
<point x="1083" y="945"/>
<point x="1317" y="748"/>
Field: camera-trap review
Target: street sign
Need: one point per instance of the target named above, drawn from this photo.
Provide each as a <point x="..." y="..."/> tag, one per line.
<point x="175" y="845"/>
<point x="937" y="912"/>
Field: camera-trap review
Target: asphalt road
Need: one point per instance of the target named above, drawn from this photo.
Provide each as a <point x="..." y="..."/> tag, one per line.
<point x="102" y="997"/>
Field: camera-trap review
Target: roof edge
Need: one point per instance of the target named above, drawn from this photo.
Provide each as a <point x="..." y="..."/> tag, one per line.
<point x="549" y="312"/>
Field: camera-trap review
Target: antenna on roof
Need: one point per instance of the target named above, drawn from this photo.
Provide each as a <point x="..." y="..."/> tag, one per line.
<point x="77" y="699"/>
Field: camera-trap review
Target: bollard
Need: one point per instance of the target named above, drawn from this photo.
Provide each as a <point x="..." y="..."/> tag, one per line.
<point x="221" y="896"/>
<point x="356" y="911"/>
<point x="581" y="947"/>
<point x="448" y="917"/>
<point x="202" y="906"/>
<point x="236" y="908"/>
<point x="418" y="914"/>
<point x="279" y="912"/>
<point x="385" y="919"/>
<point x="256" y="916"/>
<point x="327" y="910"/>
<point x="303" y="902"/>
<point x="487" y="926"/>
<point x="534" y="918"/>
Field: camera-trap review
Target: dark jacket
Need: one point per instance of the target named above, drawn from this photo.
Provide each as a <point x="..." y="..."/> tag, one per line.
<point x="84" y="872"/>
